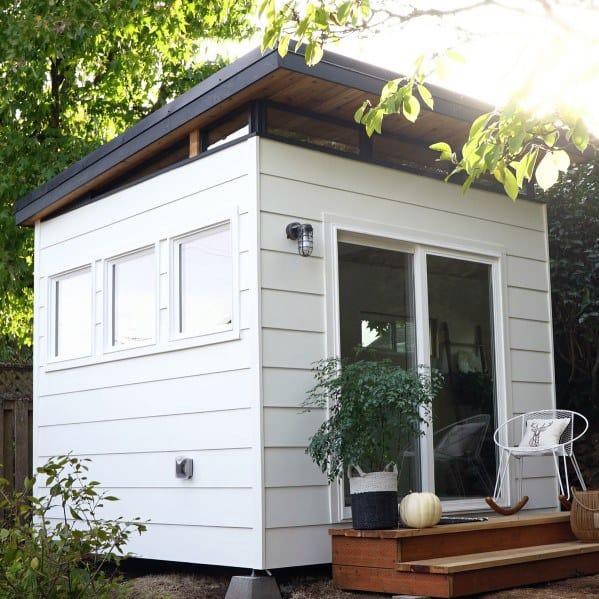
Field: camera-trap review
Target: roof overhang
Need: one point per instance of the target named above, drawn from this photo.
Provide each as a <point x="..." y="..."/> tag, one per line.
<point x="336" y="86"/>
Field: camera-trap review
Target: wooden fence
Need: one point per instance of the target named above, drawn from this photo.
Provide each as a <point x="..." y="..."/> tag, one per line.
<point x="16" y="424"/>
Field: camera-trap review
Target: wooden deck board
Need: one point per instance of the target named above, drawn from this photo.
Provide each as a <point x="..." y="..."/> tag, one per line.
<point x="493" y="559"/>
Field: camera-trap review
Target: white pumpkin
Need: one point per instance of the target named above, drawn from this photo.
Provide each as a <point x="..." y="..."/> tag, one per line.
<point x="419" y="510"/>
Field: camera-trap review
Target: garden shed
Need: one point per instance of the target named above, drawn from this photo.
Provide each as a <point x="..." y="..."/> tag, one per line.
<point x="176" y="324"/>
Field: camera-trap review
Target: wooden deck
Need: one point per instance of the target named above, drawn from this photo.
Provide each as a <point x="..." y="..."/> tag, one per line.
<point x="455" y="560"/>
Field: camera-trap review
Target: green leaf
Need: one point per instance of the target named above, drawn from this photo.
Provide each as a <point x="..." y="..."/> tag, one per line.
<point x="314" y="53"/>
<point x="478" y="124"/>
<point x="580" y="135"/>
<point x="510" y="184"/>
<point x="550" y="138"/>
<point x="561" y="160"/>
<point x="343" y="11"/>
<point x="426" y="96"/>
<point x="411" y="108"/>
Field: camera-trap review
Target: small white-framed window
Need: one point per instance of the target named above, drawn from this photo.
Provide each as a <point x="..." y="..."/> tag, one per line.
<point x="132" y="306"/>
<point x="203" y="281"/>
<point x="71" y="314"/>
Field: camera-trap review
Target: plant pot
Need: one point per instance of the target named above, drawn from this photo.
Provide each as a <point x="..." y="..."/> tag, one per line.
<point x="373" y="499"/>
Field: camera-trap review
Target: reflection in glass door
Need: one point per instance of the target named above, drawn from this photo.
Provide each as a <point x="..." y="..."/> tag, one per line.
<point x="376" y="313"/>
<point x="461" y="334"/>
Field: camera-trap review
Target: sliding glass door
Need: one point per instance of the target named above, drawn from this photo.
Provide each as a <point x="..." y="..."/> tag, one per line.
<point x="390" y="297"/>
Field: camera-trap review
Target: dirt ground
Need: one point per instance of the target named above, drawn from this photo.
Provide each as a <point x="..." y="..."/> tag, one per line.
<point x="190" y="586"/>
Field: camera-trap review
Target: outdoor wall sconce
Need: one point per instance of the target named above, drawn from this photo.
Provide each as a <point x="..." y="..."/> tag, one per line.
<point x="304" y="233"/>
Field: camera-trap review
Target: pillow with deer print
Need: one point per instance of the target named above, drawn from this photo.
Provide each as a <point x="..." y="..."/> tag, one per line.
<point x="542" y="432"/>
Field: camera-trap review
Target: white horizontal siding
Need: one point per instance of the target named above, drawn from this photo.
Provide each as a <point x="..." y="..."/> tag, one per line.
<point x="528" y="305"/>
<point x="230" y="508"/>
<point x="286" y="387"/>
<point x="297" y="506"/>
<point x="535" y="367"/>
<point x="298" y="545"/>
<point x="135" y="412"/>
<point x="195" y="393"/>
<point x="290" y="467"/>
<point x="215" y="468"/>
<point x="531" y="396"/>
<point x="528" y="274"/>
<point x="292" y="311"/>
<point x="530" y="335"/>
<point x="292" y="272"/>
<point x="235" y="547"/>
<point x="334" y="173"/>
<point x="179" y="432"/>
<point x="219" y="357"/>
<point x="291" y="349"/>
<point x="290" y="427"/>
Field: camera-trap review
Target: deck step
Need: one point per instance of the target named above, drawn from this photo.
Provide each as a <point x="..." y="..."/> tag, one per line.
<point x="494" y="559"/>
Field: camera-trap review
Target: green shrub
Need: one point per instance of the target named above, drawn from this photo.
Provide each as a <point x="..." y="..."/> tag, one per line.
<point x="375" y="408"/>
<point x="55" y="545"/>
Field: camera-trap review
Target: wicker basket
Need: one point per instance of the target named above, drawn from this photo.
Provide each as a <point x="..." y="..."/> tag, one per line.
<point x="584" y="515"/>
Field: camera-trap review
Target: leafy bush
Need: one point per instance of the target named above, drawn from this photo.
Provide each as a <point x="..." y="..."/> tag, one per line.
<point x="56" y="546"/>
<point x="375" y="409"/>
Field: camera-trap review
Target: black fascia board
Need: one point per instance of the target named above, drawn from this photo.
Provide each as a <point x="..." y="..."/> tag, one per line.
<point x="222" y="85"/>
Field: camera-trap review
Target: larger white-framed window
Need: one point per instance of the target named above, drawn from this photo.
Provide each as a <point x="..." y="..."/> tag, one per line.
<point x="375" y="275"/>
<point x="71" y="314"/>
<point x="131" y="300"/>
<point x="203" y="282"/>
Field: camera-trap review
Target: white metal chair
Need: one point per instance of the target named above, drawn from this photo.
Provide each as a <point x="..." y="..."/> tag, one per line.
<point x="541" y="433"/>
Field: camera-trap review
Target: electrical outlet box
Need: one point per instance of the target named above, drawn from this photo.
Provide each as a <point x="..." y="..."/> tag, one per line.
<point x="183" y="467"/>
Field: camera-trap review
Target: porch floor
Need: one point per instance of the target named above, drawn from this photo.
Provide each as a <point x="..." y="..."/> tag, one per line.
<point x="455" y="560"/>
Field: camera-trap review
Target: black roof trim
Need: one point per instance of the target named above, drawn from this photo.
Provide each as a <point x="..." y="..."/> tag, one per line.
<point x="225" y="83"/>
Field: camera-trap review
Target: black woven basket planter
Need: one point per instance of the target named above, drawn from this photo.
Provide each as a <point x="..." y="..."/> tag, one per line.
<point x="373" y="499"/>
<point x="374" y="510"/>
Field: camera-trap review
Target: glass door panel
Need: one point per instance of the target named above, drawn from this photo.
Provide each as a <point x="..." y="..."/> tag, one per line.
<point x="461" y="334"/>
<point x="376" y="313"/>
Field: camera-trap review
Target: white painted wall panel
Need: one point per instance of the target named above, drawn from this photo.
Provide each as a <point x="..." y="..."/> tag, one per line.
<point x="286" y="386"/>
<point x="135" y="411"/>
<point x="529" y="396"/>
<point x="299" y="545"/>
<point x="530" y="334"/>
<point x="527" y="304"/>
<point x="218" y="468"/>
<point x="228" y="507"/>
<point x="292" y="311"/>
<point x="529" y="366"/>
<point x="199" y="545"/>
<point x="196" y="393"/>
<point x="297" y="506"/>
<point x="370" y="180"/>
<point x="296" y="349"/>
<point x="528" y="274"/>
<point x="180" y="432"/>
<point x="289" y="467"/>
<point x="291" y="272"/>
<point x="219" y="357"/>
<point x="290" y="427"/>
<point x="308" y="201"/>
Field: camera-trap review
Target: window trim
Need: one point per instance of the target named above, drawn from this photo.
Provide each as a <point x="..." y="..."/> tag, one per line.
<point x="109" y="299"/>
<point x="217" y="334"/>
<point x="52" y="322"/>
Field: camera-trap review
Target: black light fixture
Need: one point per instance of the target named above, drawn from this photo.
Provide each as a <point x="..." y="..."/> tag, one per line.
<point x="304" y="233"/>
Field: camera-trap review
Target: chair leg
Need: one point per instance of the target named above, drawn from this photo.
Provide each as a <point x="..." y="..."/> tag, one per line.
<point x="557" y="472"/>
<point x="578" y="472"/>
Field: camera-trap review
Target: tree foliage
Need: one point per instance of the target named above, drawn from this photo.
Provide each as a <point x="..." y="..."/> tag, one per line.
<point x="512" y="143"/>
<point x="573" y="215"/>
<point x="73" y="74"/>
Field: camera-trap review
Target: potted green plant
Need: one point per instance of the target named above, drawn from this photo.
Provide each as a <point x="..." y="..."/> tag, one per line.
<point x="375" y="408"/>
